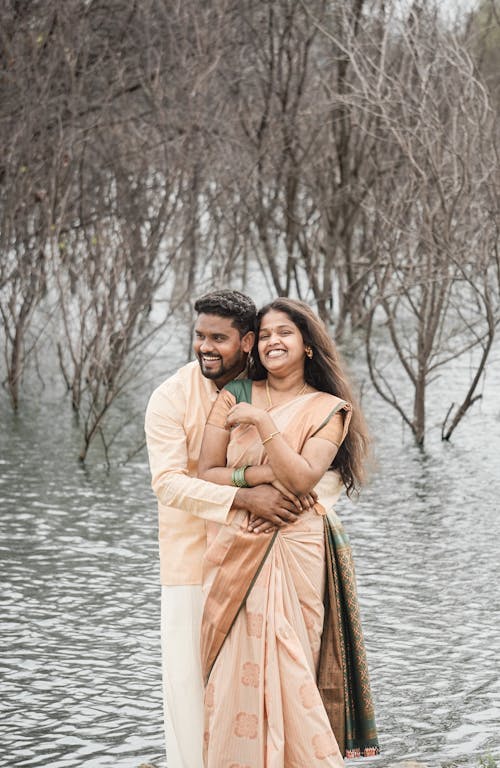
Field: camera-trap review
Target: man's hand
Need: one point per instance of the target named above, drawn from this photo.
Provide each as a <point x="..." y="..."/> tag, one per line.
<point x="259" y="524"/>
<point x="267" y="504"/>
<point x="306" y="501"/>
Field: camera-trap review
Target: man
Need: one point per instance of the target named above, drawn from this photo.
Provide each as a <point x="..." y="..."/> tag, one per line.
<point x="175" y="419"/>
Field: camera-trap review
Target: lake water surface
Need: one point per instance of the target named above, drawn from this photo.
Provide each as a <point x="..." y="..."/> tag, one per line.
<point x="79" y="617"/>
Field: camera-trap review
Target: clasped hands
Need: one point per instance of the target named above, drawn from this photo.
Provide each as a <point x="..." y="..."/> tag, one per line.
<point x="302" y="503"/>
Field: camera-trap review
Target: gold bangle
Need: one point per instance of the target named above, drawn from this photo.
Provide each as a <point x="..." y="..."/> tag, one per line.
<point x="270" y="437"/>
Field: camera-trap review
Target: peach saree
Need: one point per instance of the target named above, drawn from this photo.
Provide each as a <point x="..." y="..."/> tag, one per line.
<point x="264" y="615"/>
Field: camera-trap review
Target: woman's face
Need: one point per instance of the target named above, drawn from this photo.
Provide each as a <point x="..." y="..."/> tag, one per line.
<point x="280" y="343"/>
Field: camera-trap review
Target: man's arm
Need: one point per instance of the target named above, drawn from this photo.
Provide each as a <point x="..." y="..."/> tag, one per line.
<point x="266" y="503"/>
<point x="168" y="459"/>
<point x="173" y="486"/>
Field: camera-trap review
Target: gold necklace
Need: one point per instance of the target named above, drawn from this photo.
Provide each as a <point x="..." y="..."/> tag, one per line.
<point x="268" y="393"/>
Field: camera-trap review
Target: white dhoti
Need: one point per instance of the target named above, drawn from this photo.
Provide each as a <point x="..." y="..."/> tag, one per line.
<point x="181" y="611"/>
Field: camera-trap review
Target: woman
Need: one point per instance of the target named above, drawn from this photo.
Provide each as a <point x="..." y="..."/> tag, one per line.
<point x="264" y="616"/>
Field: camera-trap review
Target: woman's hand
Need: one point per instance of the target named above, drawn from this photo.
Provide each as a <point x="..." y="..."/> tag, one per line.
<point x="244" y="413"/>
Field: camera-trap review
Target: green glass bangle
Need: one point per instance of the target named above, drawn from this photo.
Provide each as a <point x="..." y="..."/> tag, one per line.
<point x="238" y="477"/>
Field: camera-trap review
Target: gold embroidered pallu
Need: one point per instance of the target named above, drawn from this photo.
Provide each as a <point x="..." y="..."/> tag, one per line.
<point x="264" y="618"/>
<point x="343" y="678"/>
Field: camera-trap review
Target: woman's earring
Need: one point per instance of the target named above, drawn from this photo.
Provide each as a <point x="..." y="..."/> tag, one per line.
<point x="309" y="352"/>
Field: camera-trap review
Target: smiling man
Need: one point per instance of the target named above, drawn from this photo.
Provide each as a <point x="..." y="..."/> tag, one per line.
<point x="175" y="420"/>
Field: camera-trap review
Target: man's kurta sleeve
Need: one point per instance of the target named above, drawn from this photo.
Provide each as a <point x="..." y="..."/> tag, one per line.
<point x="169" y="461"/>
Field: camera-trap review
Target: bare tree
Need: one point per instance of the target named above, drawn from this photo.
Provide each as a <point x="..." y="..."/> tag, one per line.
<point x="102" y="136"/>
<point x="434" y="234"/>
<point x="345" y="149"/>
<point x="269" y="138"/>
<point x="483" y="41"/>
<point x="22" y="286"/>
<point x="24" y="195"/>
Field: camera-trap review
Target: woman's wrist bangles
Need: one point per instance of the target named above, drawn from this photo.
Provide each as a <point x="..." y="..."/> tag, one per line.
<point x="238" y="476"/>
<point x="270" y="437"/>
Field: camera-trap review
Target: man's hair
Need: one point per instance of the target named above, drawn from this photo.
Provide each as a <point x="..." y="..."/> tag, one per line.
<point x="233" y="304"/>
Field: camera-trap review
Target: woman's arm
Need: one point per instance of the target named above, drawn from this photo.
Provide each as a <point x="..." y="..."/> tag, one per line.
<point x="212" y="461"/>
<point x="299" y="472"/>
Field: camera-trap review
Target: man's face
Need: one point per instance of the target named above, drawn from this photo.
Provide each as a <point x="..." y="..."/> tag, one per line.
<point x="220" y="350"/>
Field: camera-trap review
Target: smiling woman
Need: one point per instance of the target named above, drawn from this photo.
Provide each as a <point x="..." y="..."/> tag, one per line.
<point x="264" y="596"/>
<point x="281" y="348"/>
<point x="292" y="350"/>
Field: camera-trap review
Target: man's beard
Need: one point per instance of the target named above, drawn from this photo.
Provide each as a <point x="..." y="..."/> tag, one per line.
<point x="213" y="372"/>
<point x="231" y="367"/>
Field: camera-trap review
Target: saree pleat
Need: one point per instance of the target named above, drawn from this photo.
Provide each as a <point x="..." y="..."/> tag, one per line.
<point x="227" y="596"/>
<point x="263" y="708"/>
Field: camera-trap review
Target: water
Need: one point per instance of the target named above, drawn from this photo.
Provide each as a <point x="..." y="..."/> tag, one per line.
<point x="80" y="598"/>
<point x="80" y="682"/>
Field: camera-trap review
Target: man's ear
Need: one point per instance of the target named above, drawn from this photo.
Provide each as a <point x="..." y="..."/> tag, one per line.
<point x="247" y="341"/>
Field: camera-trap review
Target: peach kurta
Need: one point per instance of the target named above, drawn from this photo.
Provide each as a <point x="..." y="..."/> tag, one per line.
<point x="175" y="420"/>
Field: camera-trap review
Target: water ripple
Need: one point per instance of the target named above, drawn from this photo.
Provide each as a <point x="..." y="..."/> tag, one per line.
<point x="80" y="600"/>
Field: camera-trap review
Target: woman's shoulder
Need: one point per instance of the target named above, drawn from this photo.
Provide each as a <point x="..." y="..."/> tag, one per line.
<point x="334" y="415"/>
<point x="331" y="401"/>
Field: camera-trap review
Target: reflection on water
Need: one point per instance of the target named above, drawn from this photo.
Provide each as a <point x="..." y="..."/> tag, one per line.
<point x="81" y="678"/>
<point x="80" y="615"/>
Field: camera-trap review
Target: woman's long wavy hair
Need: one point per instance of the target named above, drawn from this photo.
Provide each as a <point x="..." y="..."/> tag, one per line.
<point x="324" y="371"/>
